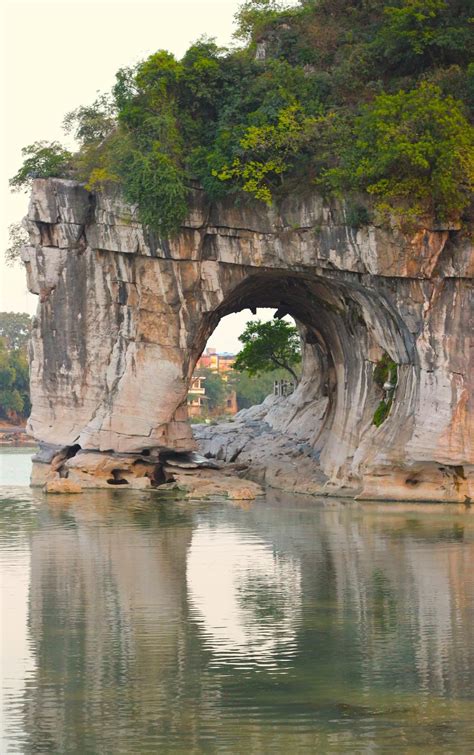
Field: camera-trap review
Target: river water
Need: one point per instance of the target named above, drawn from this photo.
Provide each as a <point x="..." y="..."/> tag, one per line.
<point x="136" y="625"/>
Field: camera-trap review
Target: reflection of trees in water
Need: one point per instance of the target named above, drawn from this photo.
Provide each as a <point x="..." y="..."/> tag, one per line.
<point x="124" y="663"/>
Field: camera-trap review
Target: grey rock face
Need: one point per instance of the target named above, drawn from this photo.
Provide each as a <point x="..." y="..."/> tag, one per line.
<point x="123" y="317"/>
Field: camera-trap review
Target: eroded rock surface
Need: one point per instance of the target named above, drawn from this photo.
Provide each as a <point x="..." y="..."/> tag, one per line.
<point x="123" y="317"/>
<point x="267" y="452"/>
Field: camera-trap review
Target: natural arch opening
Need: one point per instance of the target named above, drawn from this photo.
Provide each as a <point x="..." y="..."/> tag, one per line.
<point x="218" y="389"/>
<point x="347" y="332"/>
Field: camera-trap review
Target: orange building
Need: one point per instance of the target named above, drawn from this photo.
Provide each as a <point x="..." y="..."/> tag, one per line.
<point x="211" y="360"/>
<point x="226" y="362"/>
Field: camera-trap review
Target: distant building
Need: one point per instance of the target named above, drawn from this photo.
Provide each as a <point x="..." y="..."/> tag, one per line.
<point x="231" y="403"/>
<point x="211" y="360"/>
<point x="225" y="362"/>
<point x="196" y="396"/>
<point x="197" y="399"/>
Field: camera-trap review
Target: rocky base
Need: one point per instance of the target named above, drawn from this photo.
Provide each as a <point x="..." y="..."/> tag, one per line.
<point x="268" y="457"/>
<point x="183" y="475"/>
<point x="254" y="439"/>
<point x="238" y="458"/>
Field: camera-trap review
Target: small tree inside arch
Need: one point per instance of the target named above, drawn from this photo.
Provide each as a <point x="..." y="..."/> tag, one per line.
<point x="269" y="345"/>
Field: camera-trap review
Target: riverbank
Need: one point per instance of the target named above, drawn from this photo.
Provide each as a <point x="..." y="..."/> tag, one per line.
<point x="15" y="435"/>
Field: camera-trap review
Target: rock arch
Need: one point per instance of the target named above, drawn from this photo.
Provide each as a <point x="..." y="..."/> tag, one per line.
<point x="123" y="317"/>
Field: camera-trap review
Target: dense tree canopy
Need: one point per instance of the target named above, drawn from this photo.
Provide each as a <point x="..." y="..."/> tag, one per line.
<point x="348" y="95"/>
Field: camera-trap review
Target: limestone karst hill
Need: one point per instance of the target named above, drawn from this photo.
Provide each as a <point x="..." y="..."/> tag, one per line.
<point x="123" y="317"/>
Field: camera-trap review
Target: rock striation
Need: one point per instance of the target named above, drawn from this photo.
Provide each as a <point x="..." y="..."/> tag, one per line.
<point x="124" y="315"/>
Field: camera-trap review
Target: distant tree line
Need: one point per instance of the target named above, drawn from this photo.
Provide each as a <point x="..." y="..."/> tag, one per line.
<point x="14" y="372"/>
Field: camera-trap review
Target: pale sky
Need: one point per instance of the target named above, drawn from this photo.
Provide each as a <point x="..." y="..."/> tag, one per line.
<point x="57" y="56"/>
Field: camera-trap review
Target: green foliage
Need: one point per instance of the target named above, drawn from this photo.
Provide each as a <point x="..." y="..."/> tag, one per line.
<point x="269" y="345"/>
<point x="216" y="388"/>
<point x="418" y="34"/>
<point x="414" y="149"/>
<point x="354" y="96"/>
<point x="199" y="420"/>
<point x="14" y="382"/>
<point x="153" y="182"/>
<point x="253" y="389"/>
<point x="382" y="412"/>
<point x="144" y="153"/>
<point x="91" y="124"/>
<point x="267" y="152"/>
<point x="17" y="238"/>
<point x="19" y="361"/>
<point x="42" y="160"/>
<point x="385" y="370"/>
<point x="357" y="215"/>
<point x="15" y="330"/>
<point x="254" y="15"/>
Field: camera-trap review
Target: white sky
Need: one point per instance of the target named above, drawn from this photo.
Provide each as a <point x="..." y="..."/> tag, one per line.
<point x="56" y="56"/>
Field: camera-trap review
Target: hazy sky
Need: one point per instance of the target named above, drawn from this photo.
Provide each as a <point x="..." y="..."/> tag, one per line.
<point x="56" y="57"/>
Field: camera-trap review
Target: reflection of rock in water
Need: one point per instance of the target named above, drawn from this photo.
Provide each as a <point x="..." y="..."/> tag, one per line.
<point x="166" y="624"/>
<point x="106" y="617"/>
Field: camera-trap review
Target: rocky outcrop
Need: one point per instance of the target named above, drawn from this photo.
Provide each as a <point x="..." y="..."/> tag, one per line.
<point x="123" y="317"/>
<point x="260" y="443"/>
<point x="182" y="475"/>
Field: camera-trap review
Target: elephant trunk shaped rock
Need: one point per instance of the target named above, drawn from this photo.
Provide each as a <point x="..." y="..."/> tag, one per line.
<point x="123" y="317"/>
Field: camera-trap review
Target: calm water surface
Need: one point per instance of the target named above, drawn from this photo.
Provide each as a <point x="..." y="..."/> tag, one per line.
<point x="134" y="625"/>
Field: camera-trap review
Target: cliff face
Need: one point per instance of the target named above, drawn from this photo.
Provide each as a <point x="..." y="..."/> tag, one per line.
<point x="123" y="317"/>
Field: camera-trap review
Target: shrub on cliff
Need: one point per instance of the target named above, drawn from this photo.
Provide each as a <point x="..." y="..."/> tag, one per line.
<point x="42" y="160"/>
<point x="413" y="150"/>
